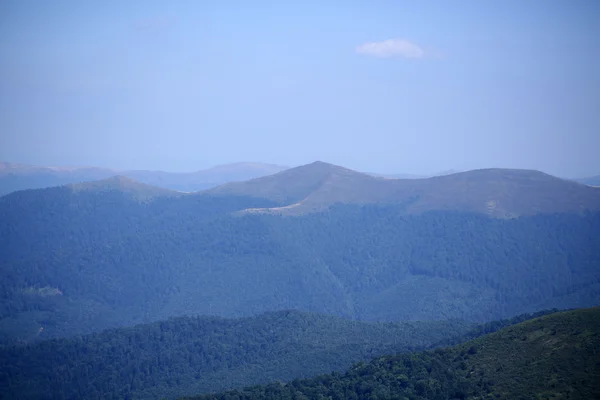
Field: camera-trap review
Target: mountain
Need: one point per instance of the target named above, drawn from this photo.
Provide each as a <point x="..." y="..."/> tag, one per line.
<point x="15" y="177"/>
<point x="200" y="180"/>
<point x="189" y="355"/>
<point x="551" y="357"/>
<point x="497" y="192"/>
<point x="76" y="261"/>
<point x="123" y="185"/>
<point x="317" y="184"/>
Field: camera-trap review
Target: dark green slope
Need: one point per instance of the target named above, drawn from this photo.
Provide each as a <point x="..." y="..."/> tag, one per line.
<point x="553" y="357"/>
<point x="79" y="261"/>
<point x="76" y="260"/>
<point x="190" y="355"/>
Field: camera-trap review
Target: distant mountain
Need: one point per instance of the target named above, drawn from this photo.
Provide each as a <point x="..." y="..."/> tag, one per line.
<point x="15" y="177"/>
<point x="592" y="180"/>
<point x="496" y="192"/>
<point x="190" y="355"/>
<point x="78" y="259"/>
<point x="123" y="185"/>
<point x="552" y="357"/>
<point x="200" y="180"/>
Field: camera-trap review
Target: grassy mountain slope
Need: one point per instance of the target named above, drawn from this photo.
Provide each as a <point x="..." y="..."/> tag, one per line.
<point x="496" y="192"/>
<point x="298" y="184"/>
<point x="552" y="357"/>
<point x="190" y="355"/>
<point x="505" y="193"/>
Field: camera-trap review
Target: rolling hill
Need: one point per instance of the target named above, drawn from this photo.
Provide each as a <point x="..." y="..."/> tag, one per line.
<point x="551" y="357"/>
<point x="79" y="259"/>
<point x="497" y="192"/>
<point x="14" y="177"/>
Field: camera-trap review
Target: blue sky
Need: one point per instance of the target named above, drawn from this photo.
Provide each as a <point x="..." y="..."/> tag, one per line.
<point x="386" y="86"/>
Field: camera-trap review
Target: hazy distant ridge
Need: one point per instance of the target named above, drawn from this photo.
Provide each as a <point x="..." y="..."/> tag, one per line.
<point x="15" y="177"/>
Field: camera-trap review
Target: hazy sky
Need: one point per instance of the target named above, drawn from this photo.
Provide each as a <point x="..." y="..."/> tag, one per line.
<point x="387" y="86"/>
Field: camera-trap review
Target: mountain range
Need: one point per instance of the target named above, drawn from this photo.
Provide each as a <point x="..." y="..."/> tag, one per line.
<point x="116" y="288"/>
<point x="15" y="176"/>
<point x="475" y="246"/>
<point x="496" y="192"/>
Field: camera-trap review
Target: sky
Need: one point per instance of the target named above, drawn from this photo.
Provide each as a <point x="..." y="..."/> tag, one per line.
<point x="380" y="86"/>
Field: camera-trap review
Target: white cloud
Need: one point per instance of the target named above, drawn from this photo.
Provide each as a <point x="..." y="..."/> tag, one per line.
<point x="391" y="48"/>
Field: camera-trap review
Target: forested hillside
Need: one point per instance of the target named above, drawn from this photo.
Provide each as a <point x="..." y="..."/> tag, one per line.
<point x="190" y="355"/>
<point x="89" y="257"/>
<point x="552" y="357"/>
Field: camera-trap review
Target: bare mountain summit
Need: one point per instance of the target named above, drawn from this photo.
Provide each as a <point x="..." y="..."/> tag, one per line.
<point x="501" y="193"/>
<point x="325" y="181"/>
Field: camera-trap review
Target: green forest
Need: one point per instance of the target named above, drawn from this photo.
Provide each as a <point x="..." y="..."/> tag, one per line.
<point x="76" y="262"/>
<point x="190" y="355"/>
<point x="552" y="357"/>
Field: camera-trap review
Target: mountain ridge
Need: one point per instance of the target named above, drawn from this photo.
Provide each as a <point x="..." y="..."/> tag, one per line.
<point x="498" y="192"/>
<point x="315" y="187"/>
<point x="15" y="176"/>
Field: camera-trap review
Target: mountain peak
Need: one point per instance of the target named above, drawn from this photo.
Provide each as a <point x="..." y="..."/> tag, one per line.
<point x="325" y="168"/>
<point x="295" y="184"/>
